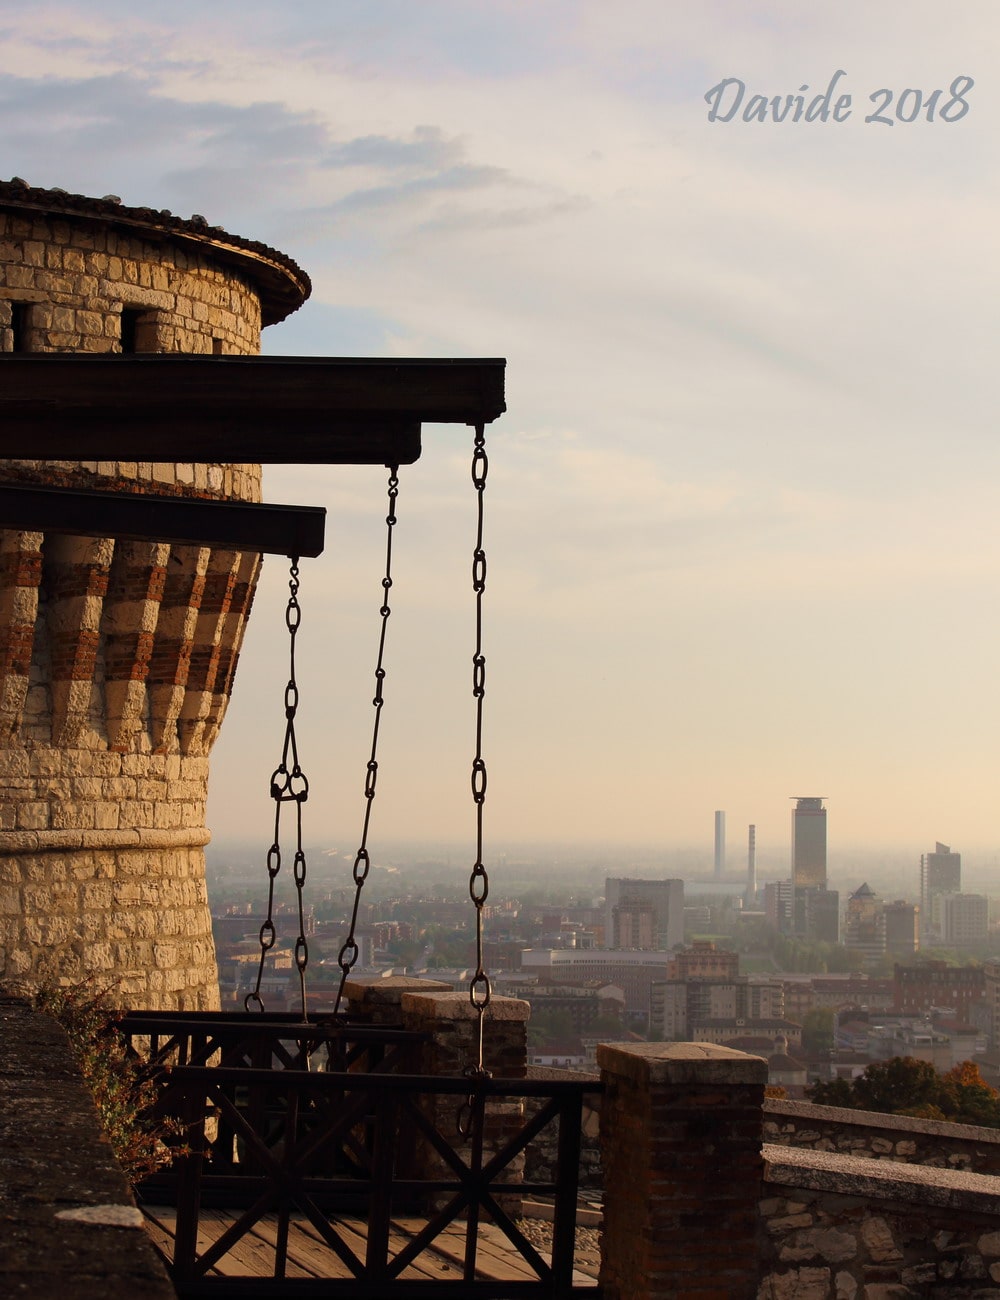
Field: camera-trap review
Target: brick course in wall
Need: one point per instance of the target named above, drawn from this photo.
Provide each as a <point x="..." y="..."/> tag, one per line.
<point x="117" y="658"/>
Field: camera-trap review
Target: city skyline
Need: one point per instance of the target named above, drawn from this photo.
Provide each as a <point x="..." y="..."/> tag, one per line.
<point x="739" y="518"/>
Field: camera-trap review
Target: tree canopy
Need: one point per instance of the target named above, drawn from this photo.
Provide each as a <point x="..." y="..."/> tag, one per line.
<point x="906" y="1086"/>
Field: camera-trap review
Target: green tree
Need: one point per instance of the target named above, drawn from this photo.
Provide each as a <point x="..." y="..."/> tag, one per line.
<point x="905" y="1086"/>
<point x="548" y="1027"/>
<point x="836" y="1092"/>
<point x="817" y="1030"/>
<point x="897" y="1086"/>
<point x="966" y="1097"/>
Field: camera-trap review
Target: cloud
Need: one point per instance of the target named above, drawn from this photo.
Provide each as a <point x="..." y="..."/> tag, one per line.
<point x="427" y="149"/>
<point x="750" y="439"/>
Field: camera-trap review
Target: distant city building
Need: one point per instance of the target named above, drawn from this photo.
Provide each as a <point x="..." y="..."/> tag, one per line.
<point x="703" y="960"/>
<point x="940" y="873"/>
<point x="680" y="1006"/>
<point x="809" y="843"/>
<point x="864" y="925"/>
<point x="778" y="904"/>
<point x="811" y="907"/>
<point x="582" y="1001"/>
<point x="632" y="972"/>
<point x="806" y="992"/>
<point x="726" y="1032"/>
<point x="991" y="991"/>
<point x="902" y="929"/>
<point x="697" y="918"/>
<point x="936" y="984"/>
<point x="643" y="915"/>
<point x="964" y="919"/>
<point x="817" y="914"/>
<point x="720" y="844"/>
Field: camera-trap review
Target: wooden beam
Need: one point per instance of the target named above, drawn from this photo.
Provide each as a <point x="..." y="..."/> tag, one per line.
<point x="271" y="410"/>
<point x="235" y="525"/>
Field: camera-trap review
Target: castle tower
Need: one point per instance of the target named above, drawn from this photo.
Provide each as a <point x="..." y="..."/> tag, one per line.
<point x="117" y="657"/>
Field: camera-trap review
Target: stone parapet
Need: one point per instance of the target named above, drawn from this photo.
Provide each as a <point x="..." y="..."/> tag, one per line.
<point x="70" y="1225"/>
<point x="681" y="1151"/>
<point x="934" y="1143"/>
<point x="843" y="1228"/>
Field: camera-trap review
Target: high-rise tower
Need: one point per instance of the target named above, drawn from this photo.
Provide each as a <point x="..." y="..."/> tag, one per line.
<point x="940" y="873"/>
<point x="816" y="909"/>
<point x="809" y="842"/>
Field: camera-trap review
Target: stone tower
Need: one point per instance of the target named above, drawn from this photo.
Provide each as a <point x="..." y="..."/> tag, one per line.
<point x="117" y="658"/>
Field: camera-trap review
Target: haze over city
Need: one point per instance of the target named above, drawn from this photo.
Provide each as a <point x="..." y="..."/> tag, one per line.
<point x="741" y="524"/>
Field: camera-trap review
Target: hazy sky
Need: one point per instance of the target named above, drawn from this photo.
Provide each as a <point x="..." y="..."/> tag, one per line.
<point x="742" y="523"/>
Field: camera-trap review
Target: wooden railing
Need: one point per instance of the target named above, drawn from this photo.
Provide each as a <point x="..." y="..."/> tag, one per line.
<point x="364" y="1160"/>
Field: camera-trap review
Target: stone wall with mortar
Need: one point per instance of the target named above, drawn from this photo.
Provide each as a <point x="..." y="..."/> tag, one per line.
<point x="116" y="657"/>
<point x="68" y="281"/>
<point x="843" y="1228"/>
<point x="541" y="1155"/>
<point x="883" y="1137"/>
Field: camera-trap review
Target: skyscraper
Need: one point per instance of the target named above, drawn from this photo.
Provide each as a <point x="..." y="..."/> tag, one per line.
<point x="940" y="873"/>
<point x="809" y="842"/>
<point x="815" y="908"/>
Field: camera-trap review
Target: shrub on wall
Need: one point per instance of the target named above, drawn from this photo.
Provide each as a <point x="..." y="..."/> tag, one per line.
<point x="124" y="1093"/>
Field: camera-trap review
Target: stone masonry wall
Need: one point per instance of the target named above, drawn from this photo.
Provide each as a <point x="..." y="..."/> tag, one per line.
<point x="883" y="1137"/>
<point x="73" y="279"/>
<point x="116" y="658"/>
<point x="542" y="1152"/>
<point x="841" y="1228"/>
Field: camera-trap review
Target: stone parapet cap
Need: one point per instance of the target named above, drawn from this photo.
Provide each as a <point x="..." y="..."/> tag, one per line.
<point x="810" y="1112"/>
<point x="389" y="989"/>
<point x="71" y="1227"/>
<point x="18" y="843"/>
<point x="456" y="1006"/>
<point x="651" y="1064"/>
<point x="885" y="1180"/>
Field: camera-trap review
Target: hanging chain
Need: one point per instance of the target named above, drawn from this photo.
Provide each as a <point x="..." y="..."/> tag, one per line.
<point x="289" y="784"/>
<point x="362" y="862"/>
<point x="480" y="990"/>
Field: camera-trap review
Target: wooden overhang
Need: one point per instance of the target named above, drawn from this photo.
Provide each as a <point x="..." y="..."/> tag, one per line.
<point x="177" y="407"/>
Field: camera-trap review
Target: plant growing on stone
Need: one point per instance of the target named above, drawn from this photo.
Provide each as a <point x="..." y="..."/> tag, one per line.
<point x="124" y="1092"/>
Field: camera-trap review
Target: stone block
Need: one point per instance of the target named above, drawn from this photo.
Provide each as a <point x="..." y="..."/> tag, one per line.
<point x="879" y="1241"/>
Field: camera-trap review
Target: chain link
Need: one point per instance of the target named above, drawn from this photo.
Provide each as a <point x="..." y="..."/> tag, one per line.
<point x="289" y="784"/>
<point x="362" y="862"/>
<point x="480" y="990"/>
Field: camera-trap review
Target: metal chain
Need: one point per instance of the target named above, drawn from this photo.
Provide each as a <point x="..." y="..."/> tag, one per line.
<point x="289" y="784"/>
<point x="362" y="863"/>
<point x="480" y="990"/>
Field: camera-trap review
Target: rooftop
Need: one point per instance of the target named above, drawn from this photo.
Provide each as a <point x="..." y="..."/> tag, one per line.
<point x="281" y="283"/>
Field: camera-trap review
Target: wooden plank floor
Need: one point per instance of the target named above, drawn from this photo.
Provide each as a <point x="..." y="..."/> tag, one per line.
<point x="309" y="1255"/>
